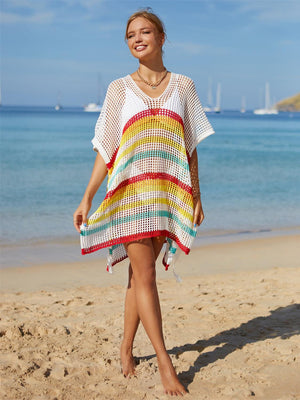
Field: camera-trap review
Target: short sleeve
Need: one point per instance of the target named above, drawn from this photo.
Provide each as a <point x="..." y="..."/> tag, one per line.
<point x="108" y="127"/>
<point x="196" y="125"/>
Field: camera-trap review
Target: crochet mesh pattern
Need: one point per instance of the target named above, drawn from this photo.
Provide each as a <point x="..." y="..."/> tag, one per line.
<point x="146" y="144"/>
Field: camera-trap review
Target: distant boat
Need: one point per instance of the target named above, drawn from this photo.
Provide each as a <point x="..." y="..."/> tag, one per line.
<point x="58" y="104"/>
<point x="217" y="108"/>
<point x="95" y="107"/>
<point x="209" y="107"/>
<point x="268" y="110"/>
<point x="92" y="107"/>
<point x="243" y="107"/>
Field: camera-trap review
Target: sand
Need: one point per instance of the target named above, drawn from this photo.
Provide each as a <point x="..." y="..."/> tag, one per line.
<point x="231" y="326"/>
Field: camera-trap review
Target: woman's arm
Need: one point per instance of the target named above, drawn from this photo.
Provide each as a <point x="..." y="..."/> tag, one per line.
<point x="97" y="177"/>
<point x="198" y="211"/>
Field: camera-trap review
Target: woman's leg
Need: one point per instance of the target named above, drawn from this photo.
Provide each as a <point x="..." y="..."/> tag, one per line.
<point x="131" y="323"/>
<point x="131" y="317"/>
<point x="142" y="259"/>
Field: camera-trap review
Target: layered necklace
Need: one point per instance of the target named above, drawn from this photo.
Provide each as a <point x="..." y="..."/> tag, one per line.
<point x="153" y="85"/>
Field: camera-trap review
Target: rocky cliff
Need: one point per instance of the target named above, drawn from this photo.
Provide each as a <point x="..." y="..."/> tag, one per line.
<point x="289" y="104"/>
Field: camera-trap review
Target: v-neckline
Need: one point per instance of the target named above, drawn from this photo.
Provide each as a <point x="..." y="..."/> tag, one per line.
<point x="145" y="94"/>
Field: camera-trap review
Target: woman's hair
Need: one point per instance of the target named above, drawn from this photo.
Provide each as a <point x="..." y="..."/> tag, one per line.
<point x="150" y="16"/>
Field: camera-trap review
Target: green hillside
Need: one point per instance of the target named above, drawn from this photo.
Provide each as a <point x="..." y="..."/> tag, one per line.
<point x="289" y="104"/>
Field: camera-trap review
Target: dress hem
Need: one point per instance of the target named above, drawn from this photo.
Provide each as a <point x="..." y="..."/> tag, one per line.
<point x="125" y="239"/>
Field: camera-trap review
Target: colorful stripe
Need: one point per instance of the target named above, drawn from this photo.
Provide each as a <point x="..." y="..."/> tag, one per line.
<point x="128" y="238"/>
<point x="137" y="217"/>
<point x="152" y="176"/>
<point x="153" y="112"/>
<point x="153" y="138"/>
<point x="140" y="203"/>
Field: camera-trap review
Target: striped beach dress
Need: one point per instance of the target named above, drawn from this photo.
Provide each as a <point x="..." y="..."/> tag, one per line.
<point x="146" y="144"/>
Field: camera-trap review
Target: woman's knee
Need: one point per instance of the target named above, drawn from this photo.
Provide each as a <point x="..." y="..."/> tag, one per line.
<point x="145" y="273"/>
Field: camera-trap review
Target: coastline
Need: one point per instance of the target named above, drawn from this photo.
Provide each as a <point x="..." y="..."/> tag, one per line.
<point x="67" y="249"/>
<point x="228" y="253"/>
<point x="231" y="326"/>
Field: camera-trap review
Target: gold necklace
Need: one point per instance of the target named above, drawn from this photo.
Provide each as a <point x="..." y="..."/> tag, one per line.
<point x="155" y="84"/>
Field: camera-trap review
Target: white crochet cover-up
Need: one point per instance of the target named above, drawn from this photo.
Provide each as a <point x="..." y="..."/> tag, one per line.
<point x="146" y="144"/>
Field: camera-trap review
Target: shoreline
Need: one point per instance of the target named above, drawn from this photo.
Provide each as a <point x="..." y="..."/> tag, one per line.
<point x="249" y="254"/>
<point x="67" y="249"/>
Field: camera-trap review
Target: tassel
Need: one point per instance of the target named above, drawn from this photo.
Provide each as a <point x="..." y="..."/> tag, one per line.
<point x="177" y="277"/>
<point x="170" y="258"/>
<point x="109" y="264"/>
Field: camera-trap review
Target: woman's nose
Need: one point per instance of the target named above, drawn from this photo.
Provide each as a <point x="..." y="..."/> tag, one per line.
<point x="138" y="38"/>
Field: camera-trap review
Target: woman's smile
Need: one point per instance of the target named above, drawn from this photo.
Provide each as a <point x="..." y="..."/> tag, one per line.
<point x="140" y="47"/>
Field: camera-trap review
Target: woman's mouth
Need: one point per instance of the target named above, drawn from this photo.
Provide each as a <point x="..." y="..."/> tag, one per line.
<point x="140" y="47"/>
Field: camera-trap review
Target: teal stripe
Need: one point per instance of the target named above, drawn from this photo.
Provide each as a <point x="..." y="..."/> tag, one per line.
<point x="172" y="249"/>
<point x="146" y="154"/>
<point x="135" y="217"/>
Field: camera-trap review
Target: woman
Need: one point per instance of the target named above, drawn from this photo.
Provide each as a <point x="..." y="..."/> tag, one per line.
<point x="145" y="138"/>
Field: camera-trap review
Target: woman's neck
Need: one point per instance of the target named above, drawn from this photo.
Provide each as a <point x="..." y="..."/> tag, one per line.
<point x="151" y="70"/>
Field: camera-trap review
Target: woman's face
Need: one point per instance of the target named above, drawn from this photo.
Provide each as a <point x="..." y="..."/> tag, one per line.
<point x="143" y="39"/>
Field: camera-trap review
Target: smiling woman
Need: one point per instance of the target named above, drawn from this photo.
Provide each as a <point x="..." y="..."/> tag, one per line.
<point x="146" y="138"/>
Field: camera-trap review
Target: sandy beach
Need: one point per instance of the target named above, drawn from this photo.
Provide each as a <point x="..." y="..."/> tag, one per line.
<point x="231" y="326"/>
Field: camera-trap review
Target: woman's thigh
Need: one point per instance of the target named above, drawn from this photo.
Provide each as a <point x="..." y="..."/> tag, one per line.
<point x="144" y="252"/>
<point x="145" y="247"/>
<point x="158" y="242"/>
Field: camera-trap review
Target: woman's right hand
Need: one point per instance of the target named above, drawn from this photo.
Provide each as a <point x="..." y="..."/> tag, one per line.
<point x="80" y="215"/>
<point x="98" y="174"/>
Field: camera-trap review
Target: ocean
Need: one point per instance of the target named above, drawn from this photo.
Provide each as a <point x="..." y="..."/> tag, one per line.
<point x="249" y="173"/>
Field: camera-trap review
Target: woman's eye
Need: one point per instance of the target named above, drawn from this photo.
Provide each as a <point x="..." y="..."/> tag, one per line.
<point x="146" y="32"/>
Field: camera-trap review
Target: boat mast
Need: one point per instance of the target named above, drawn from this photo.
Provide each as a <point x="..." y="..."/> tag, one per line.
<point x="267" y="96"/>
<point x="218" y="99"/>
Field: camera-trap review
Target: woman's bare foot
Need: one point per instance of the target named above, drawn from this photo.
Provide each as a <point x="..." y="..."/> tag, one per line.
<point x="169" y="378"/>
<point x="127" y="361"/>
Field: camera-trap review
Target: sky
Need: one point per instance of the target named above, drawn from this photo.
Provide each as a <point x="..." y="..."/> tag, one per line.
<point x="72" y="49"/>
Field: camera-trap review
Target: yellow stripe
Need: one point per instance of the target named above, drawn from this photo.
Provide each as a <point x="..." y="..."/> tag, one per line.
<point x="153" y="122"/>
<point x="151" y="139"/>
<point x="144" y="187"/>
<point x="143" y="203"/>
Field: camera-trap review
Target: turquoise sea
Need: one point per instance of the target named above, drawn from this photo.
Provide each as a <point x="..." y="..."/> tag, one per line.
<point x="249" y="173"/>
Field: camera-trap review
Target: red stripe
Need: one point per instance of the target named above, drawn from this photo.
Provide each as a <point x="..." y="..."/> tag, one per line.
<point x="150" y="112"/>
<point x="152" y="176"/>
<point x="111" y="163"/>
<point x="130" y="238"/>
<point x="146" y="113"/>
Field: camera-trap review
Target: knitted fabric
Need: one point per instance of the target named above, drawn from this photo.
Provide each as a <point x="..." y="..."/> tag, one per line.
<point x="146" y="144"/>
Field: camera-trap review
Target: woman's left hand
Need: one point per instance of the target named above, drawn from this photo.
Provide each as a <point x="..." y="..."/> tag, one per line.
<point x="198" y="212"/>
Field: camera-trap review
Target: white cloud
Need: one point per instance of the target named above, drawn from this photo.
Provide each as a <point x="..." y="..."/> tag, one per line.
<point x="188" y="47"/>
<point x="288" y="42"/>
<point x="270" y="10"/>
<point x="194" y="49"/>
<point x="39" y="18"/>
<point x="43" y="11"/>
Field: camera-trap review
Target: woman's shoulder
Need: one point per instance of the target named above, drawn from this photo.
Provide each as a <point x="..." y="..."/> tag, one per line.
<point x="117" y="84"/>
<point x="183" y="80"/>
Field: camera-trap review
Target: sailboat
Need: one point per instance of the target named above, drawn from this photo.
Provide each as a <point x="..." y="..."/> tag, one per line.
<point x="209" y="108"/>
<point x="94" y="107"/>
<point x="217" y="108"/>
<point x="243" y="107"/>
<point x="268" y="109"/>
<point x="58" y="106"/>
